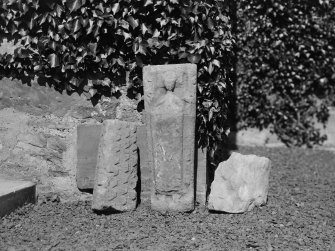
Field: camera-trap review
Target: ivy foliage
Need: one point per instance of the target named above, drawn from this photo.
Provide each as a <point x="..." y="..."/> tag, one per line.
<point x="286" y="69"/>
<point x="85" y="46"/>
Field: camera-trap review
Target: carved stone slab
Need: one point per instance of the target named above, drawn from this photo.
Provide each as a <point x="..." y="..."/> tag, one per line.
<point x="170" y="104"/>
<point x="116" y="172"/>
<point x="88" y="137"/>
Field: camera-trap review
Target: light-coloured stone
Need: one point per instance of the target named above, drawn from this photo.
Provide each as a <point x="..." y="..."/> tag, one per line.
<point x="116" y="171"/>
<point x="240" y="184"/>
<point x="170" y="103"/>
<point x="329" y="130"/>
<point x="14" y="194"/>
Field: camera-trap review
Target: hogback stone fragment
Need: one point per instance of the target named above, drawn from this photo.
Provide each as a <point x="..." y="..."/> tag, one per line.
<point x="116" y="172"/>
<point x="170" y="104"/>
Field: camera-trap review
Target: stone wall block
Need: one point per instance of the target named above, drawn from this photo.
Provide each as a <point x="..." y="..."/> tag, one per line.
<point x="116" y="172"/>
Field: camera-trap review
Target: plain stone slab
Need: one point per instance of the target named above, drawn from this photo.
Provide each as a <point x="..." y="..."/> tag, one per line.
<point x="14" y="194"/>
<point x="88" y="138"/>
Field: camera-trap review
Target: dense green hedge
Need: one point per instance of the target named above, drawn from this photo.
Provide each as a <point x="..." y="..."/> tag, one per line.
<point x="286" y="69"/>
<point x="284" y="53"/>
<point x="70" y="42"/>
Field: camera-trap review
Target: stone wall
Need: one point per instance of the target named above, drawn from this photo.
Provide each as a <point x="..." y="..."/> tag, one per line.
<point x="38" y="133"/>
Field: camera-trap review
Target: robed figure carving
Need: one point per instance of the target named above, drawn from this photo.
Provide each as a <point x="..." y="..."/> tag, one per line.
<point x="170" y="105"/>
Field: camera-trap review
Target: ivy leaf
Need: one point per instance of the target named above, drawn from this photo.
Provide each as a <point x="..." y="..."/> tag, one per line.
<point x="93" y="48"/>
<point x="133" y="22"/>
<point x="216" y="63"/>
<point x="148" y="2"/>
<point x="210" y="24"/>
<point x="194" y="58"/>
<point x="53" y="60"/>
<point x="210" y="114"/>
<point x="74" y="5"/>
<point x="76" y="25"/>
<point x="116" y="8"/>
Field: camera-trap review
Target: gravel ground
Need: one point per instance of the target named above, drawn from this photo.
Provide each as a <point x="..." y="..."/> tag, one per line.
<point x="300" y="215"/>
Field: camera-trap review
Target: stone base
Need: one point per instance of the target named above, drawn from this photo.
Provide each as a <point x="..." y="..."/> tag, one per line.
<point x="172" y="203"/>
<point x="14" y="194"/>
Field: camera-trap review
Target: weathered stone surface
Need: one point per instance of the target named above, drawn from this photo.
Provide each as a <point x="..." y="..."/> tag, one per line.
<point x="240" y="184"/>
<point x="88" y="138"/>
<point x="14" y="194"/>
<point x="38" y="133"/>
<point x="202" y="177"/>
<point x="116" y="172"/>
<point x="145" y="172"/>
<point x="170" y="103"/>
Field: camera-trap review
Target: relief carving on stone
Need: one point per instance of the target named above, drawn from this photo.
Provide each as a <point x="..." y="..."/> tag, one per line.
<point x="170" y="104"/>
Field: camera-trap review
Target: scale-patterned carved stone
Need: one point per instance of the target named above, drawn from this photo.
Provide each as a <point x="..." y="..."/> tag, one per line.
<point x="116" y="172"/>
<point x="88" y="137"/>
<point x="170" y="103"/>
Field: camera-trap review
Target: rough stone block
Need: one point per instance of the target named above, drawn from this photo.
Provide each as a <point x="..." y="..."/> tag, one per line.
<point x="88" y="137"/>
<point x="170" y="103"/>
<point x="240" y="184"/>
<point x="14" y="194"/>
<point x="202" y="177"/>
<point x="116" y="172"/>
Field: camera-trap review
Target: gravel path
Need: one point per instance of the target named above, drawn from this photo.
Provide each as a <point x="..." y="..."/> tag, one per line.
<point x="300" y="215"/>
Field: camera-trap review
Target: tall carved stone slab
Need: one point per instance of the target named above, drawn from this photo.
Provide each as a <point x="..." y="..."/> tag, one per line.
<point x="170" y="103"/>
<point x="116" y="171"/>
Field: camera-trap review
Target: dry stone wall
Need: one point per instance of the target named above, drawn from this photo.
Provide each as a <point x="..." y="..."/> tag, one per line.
<point x="38" y="133"/>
